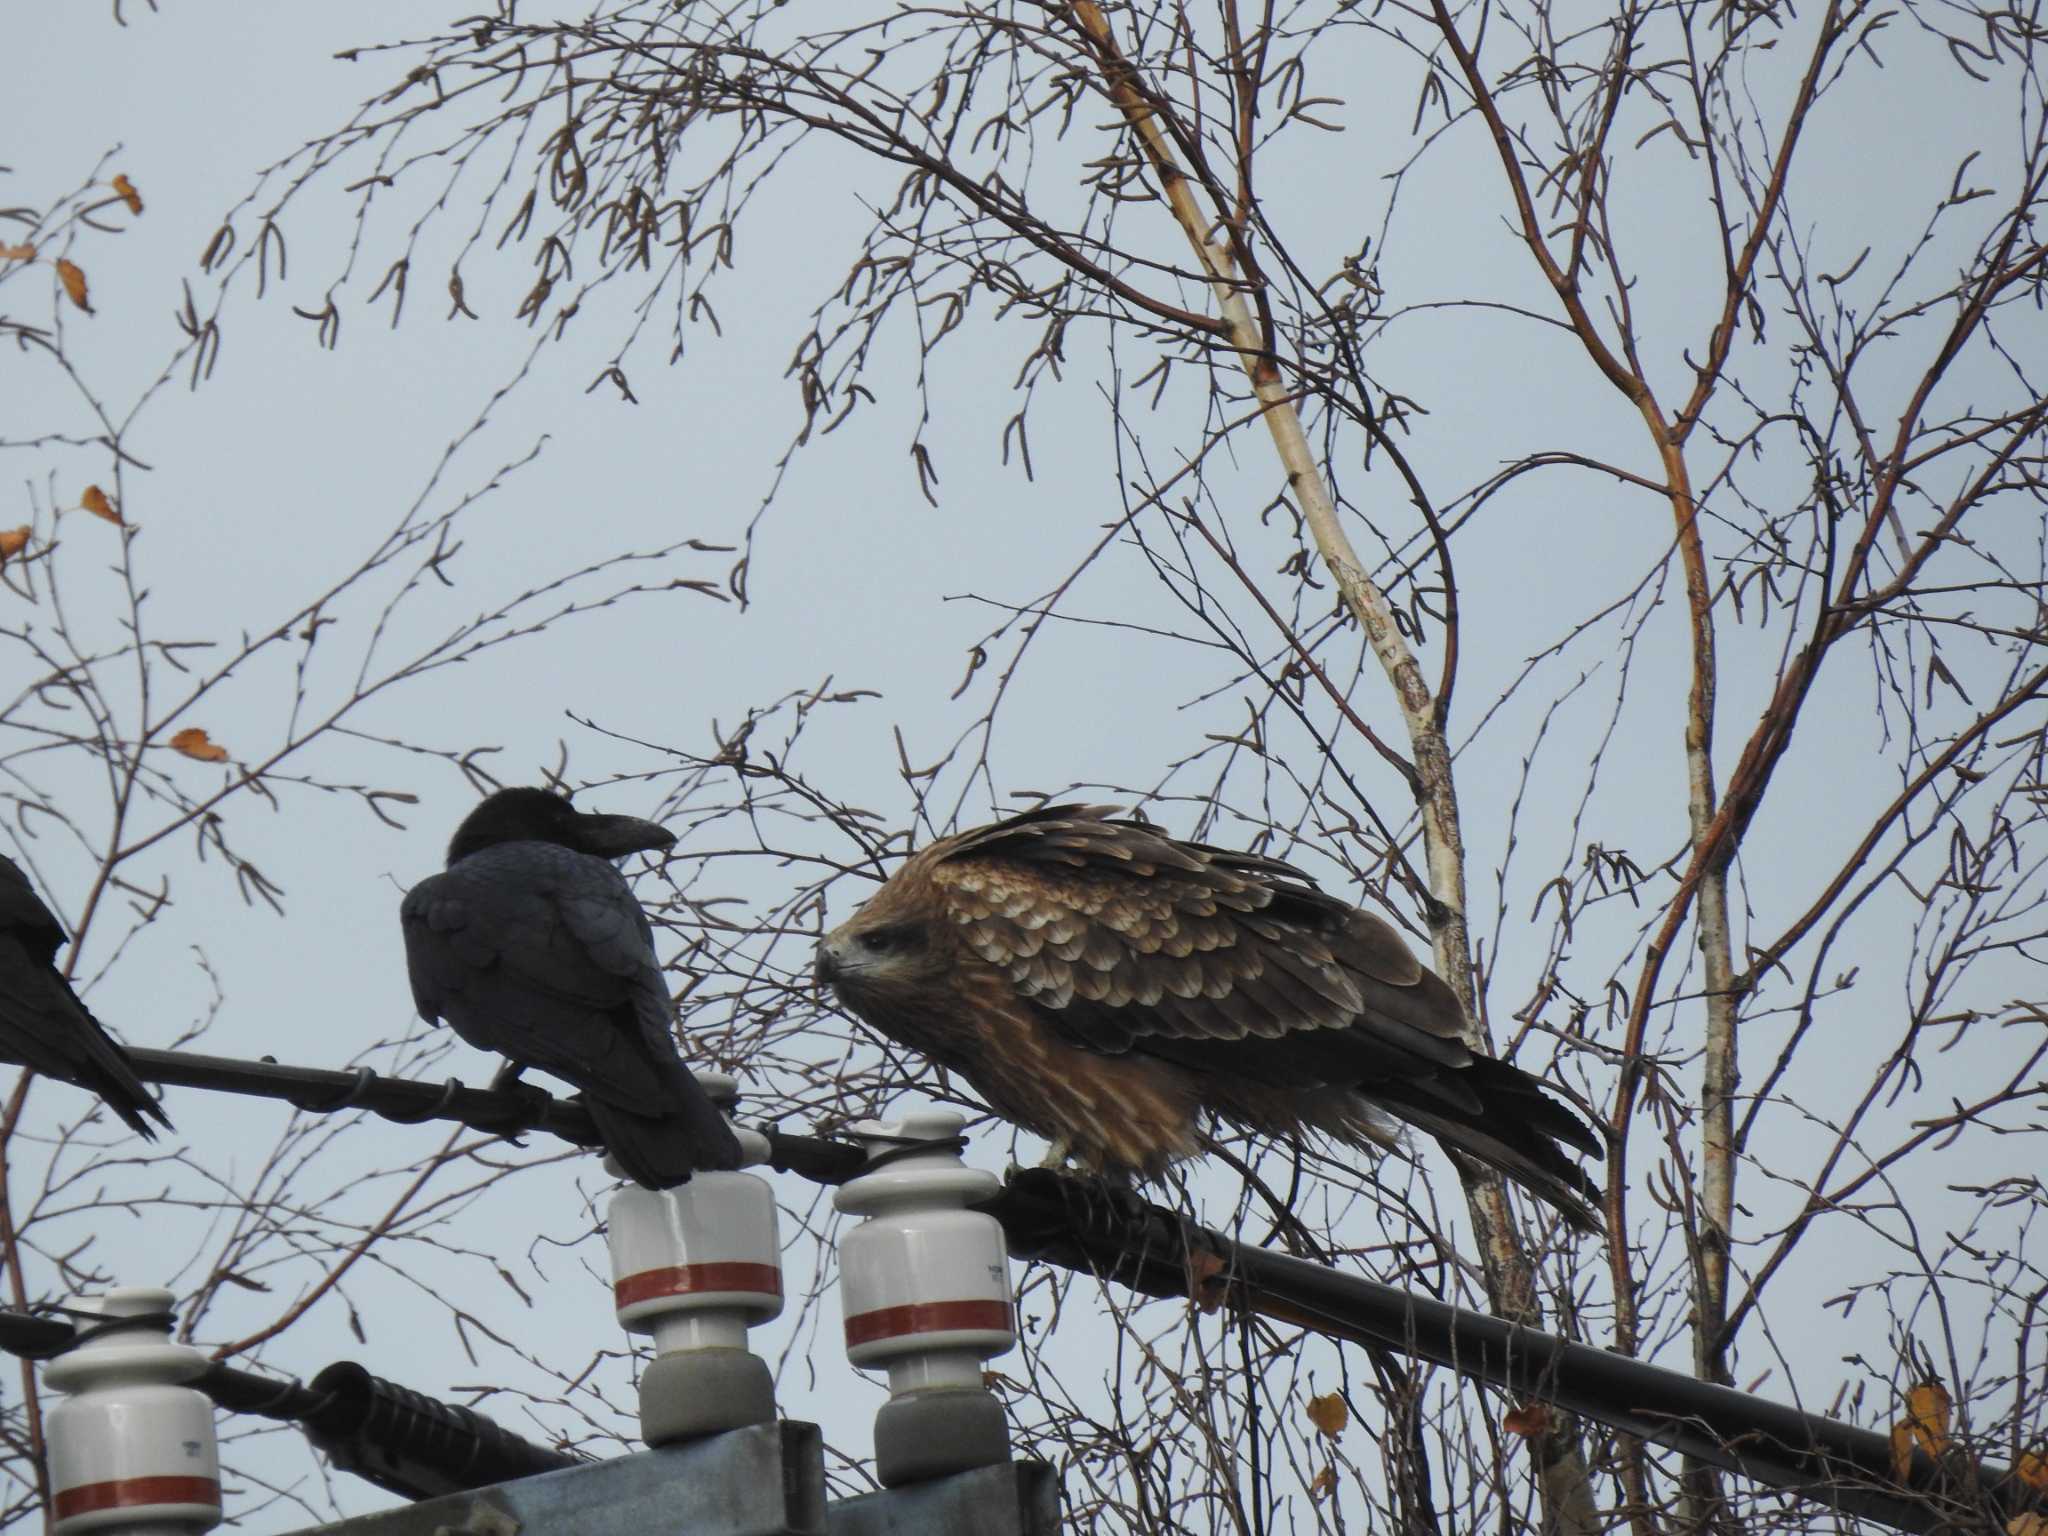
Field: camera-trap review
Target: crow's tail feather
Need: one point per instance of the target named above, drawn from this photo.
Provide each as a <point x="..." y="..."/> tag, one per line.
<point x="661" y="1151"/>
<point x="89" y="1058"/>
<point x="123" y="1092"/>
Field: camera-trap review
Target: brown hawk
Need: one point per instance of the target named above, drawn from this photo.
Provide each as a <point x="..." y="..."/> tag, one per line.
<point x="1103" y="985"/>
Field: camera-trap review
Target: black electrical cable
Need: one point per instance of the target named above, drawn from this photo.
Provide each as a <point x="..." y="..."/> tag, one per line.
<point x="494" y="1111"/>
<point x="1151" y="1249"/>
<point x="404" y="1441"/>
<point x="413" y="1444"/>
<point x="1117" y="1237"/>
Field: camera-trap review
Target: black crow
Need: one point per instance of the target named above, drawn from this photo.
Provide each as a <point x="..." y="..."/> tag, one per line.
<point x="43" y="1024"/>
<point x="531" y="944"/>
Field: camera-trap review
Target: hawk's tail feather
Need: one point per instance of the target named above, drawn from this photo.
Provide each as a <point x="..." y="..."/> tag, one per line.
<point x="1506" y="1090"/>
<point x="661" y="1151"/>
<point x="1516" y="1129"/>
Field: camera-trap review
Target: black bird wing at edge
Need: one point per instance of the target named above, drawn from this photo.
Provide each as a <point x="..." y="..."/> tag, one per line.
<point x="44" y="1024"/>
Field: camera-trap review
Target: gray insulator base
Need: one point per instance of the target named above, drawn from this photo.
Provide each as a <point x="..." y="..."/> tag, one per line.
<point x="933" y="1434"/>
<point x="704" y="1392"/>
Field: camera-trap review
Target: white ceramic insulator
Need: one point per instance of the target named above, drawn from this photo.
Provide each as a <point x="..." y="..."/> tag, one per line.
<point x="925" y="1283"/>
<point x="698" y="1265"/>
<point x="931" y="1368"/>
<point x="131" y="1449"/>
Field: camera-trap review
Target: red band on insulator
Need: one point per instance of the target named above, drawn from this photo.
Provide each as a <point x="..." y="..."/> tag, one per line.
<point x="127" y="1492"/>
<point x="928" y="1317"/>
<point x="693" y="1279"/>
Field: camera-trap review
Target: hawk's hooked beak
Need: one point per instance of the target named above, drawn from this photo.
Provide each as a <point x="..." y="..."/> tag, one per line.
<point x="825" y="967"/>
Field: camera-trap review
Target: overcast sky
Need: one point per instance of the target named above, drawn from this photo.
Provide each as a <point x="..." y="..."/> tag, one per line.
<point x="294" y="461"/>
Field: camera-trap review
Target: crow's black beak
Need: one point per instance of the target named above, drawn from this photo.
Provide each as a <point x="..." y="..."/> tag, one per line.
<point x="613" y="837"/>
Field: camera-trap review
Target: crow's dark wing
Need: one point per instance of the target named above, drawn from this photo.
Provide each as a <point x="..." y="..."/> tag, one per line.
<point x="43" y="1024"/>
<point x="542" y="954"/>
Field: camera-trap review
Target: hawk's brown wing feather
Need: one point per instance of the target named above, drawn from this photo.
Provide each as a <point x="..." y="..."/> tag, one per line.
<point x="1280" y="998"/>
<point x="1126" y="935"/>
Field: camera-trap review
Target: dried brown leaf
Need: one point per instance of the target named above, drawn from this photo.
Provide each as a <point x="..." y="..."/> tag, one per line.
<point x="95" y="501"/>
<point x="1926" y="1424"/>
<point x="1329" y="1414"/>
<point x="1324" y="1484"/>
<point x="13" y="541"/>
<point x="1205" y="1280"/>
<point x="2032" y="1469"/>
<point x="195" y="743"/>
<point x="73" y="279"/>
<point x="125" y="189"/>
<point x="17" y="252"/>
<point x="1902" y="1452"/>
<point x="1929" y="1410"/>
<point x="1528" y="1421"/>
